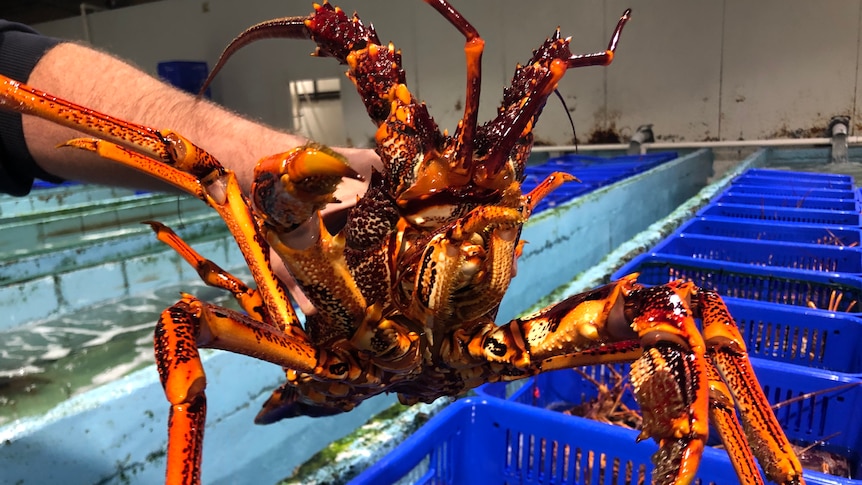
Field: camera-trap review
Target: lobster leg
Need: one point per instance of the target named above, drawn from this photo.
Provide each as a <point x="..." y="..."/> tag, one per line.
<point x="171" y="158"/>
<point x="220" y="191"/>
<point x="164" y="146"/>
<point x="183" y="380"/>
<point x="548" y="185"/>
<point x="211" y="273"/>
<point x="726" y="349"/>
<point x="722" y="416"/>
<point x="680" y="376"/>
<point x="588" y="328"/>
<point x="191" y="324"/>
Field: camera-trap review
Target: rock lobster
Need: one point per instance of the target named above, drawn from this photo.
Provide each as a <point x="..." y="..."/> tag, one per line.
<point x="406" y="293"/>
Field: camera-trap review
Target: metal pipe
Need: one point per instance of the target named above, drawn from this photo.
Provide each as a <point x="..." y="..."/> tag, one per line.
<point x="643" y="135"/>
<point x="839" y="128"/>
<point x="778" y="142"/>
<point x="85" y="7"/>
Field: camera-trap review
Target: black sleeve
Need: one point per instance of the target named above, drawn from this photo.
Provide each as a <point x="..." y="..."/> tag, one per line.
<point x="20" y="49"/>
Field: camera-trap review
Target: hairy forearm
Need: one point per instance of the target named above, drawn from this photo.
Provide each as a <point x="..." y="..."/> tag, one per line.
<point x="101" y="82"/>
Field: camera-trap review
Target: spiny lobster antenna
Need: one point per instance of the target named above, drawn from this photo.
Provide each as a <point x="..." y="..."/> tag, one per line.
<point x="569" y="115"/>
<point x="285" y="27"/>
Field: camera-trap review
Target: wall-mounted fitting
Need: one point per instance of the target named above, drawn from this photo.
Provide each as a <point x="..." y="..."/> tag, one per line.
<point x="839" y="127"/>
<point x="643" y="135"/>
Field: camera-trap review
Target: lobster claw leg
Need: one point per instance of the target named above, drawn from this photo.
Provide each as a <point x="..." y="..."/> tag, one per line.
<point x="762" y="432"/>
<point x="685" y="378"/>
<point x="664" y="379"/>
<point x="670" y="382"/>
<point x="289" y="188"/>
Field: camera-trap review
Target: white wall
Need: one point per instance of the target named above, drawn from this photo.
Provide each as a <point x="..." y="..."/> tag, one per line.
<point x="696" y="70"/>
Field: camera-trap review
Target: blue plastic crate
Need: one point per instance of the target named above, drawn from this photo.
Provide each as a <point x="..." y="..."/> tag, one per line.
<point x="805" y="421"/>
<point x="769" y="172"/>
<point x="638" y="162"/>
<point x="761" y="231"/>
<point x="565" y="194"/>
<point x="808" y="257"/>
<point x="494" y="441"/>
<point x="573" y="160"/>
<point x="41" y="184"/>
<point x="794" y="335"/>
<point x="795" y="182"/>
<point x="792" y="192"/>
<point x="592" y="159"/>
<point x="789" y="202"/>
<point x="733" y="280"/>
<point x="647" y="157"/>
<point x="781" y="214"/>
<point x="593" y="173"/>
<point x="598" y="178"/>
<point x="630" y="167"/>
<point x="559" y="390"/>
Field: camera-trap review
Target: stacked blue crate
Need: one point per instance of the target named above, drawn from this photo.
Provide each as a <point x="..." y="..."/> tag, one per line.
<point x="789" y="197"/>
<point x="773" y="236"/>
<point x="491" y="440"/>
<point x="783" y="249"/>
<point x="593" y="173"/>
<point x="524" y="440"/>
<point x="775" y="245"/>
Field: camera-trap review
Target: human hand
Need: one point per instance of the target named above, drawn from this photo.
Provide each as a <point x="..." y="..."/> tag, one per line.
<point x="335" y="214"/>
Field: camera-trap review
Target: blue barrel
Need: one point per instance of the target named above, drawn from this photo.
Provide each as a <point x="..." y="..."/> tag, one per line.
<point x="186" y="75"/>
